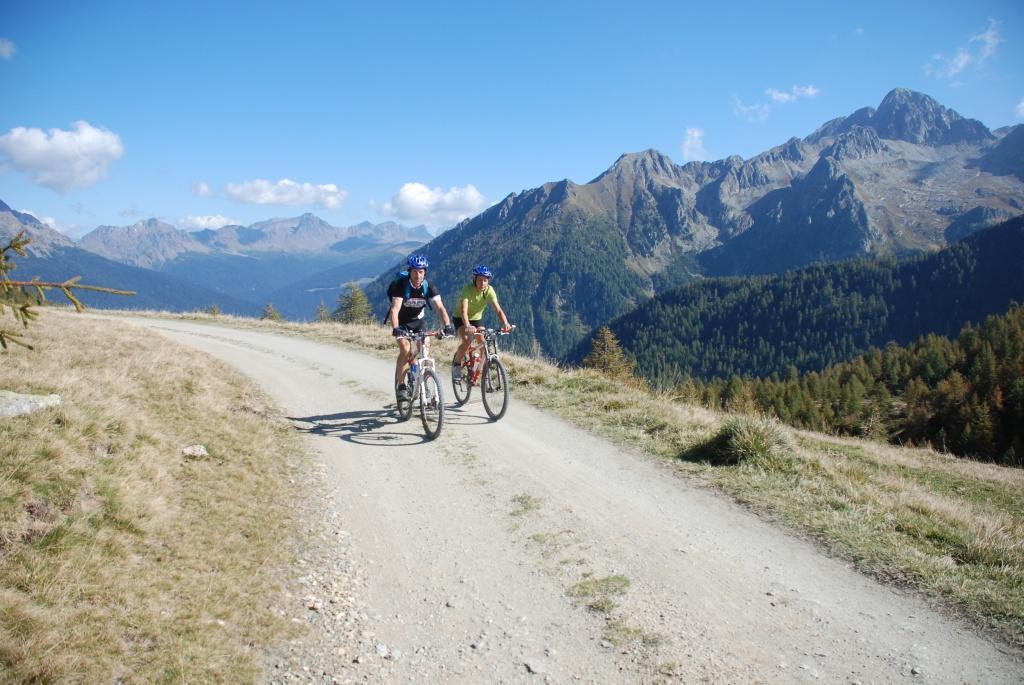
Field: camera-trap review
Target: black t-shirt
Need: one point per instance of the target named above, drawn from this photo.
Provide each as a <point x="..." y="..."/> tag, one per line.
<point x="413" y="307"/>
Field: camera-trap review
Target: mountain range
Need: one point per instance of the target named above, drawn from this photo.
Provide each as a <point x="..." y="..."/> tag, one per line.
<point x="910" y="176"/>
<point x="293" y="262"/>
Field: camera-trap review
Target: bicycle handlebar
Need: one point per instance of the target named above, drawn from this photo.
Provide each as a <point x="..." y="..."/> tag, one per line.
<point x="494" y="331"/>
<point x="419" y="335"/>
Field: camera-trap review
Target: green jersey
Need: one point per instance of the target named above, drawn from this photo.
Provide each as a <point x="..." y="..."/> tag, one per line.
<point x="478" y="301"/>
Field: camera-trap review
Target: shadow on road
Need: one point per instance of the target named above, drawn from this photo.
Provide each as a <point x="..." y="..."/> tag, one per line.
<point x="380" y="428"/>
<point x="464" y="416"/>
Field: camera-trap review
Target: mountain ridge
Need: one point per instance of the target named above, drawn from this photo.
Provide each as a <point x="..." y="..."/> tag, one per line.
<point x="878" y="182"/>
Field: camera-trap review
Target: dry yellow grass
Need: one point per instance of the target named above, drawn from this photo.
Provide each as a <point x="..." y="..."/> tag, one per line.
<point x="120" y="559"/>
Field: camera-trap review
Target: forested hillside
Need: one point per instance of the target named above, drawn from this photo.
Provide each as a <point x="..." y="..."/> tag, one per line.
<point x="807" y="319"/>
<point x="965" y="396"/>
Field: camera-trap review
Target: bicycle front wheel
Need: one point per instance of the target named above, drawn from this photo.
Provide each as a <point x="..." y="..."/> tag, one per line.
<point x="431" y="404"/>
<point x="460" y="382"/>
<point x="494" y="388"/>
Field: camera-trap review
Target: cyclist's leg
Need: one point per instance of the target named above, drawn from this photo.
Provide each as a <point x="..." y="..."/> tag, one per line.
<point x="464" y="337"/>
<point x="402" y="363"/>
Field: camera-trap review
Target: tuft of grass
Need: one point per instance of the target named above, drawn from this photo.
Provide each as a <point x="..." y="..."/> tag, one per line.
<point x="597" y="593"/>
<point x="758" y="442"/>
<point x="121" y="561"/>
<point x="525" y="504"/>
<point x="621" y="633"/>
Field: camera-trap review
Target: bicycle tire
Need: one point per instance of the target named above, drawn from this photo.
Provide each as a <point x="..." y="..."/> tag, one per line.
<point x="404" y="407"/>
<point x="431" y="400"/>
<point x="494" y="388"/>
<point x="461" y="388"/>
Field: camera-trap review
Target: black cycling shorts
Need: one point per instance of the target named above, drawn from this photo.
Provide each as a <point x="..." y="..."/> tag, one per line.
<point x="457" y="322"/>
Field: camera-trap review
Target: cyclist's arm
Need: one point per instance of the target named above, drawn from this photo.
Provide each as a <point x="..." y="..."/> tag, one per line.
<point x="396" y="304"/>
<point x="442" y="312"/>
<point x="464" y="310"/>
<point x="501" y="313"/>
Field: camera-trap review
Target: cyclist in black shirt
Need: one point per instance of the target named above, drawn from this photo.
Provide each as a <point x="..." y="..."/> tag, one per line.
<point x="410" y="296"/>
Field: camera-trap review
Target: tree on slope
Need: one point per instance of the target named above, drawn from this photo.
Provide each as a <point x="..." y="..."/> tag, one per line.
<point x="353" y="306"/>
<point x="607" y="356"/>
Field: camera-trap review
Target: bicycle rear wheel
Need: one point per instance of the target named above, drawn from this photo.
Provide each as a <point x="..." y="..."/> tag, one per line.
<point x="431" y="400"/>
<point x="494" y="388"/>
<point x="460" y="382"/>
<point x="404" y="404"/>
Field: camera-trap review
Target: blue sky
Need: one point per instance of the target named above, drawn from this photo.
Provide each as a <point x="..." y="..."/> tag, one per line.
<point x="205" y="113"/>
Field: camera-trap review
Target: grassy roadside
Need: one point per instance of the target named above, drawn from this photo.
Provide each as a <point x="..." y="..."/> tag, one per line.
<point x="122" y="560"/>
<point x="949" y="527"/>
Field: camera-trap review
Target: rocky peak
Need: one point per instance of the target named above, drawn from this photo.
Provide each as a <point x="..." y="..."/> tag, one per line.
<point x="642" y="166"/>
<point x="856" y="143"/>
<point x="916" y="118"/>
<point x="44" y="238"/>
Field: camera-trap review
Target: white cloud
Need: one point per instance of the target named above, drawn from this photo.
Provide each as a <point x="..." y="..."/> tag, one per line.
<point x="795" y="93"/>
<point x="978" y="50"/>
<point x="47" y="220"/>
<point x="7" y="49"/>
<point x="755" y="112"/>
<point x="989" y="40"/>
<point x="191" y="222"/>
<point x="62" y="160"/>
<point x="434" y="206"/>
<point x="202" y="189"/>
<point x="1020" y="109"/>
<point x="693" y="146"/>
<point x="287" y="192"/>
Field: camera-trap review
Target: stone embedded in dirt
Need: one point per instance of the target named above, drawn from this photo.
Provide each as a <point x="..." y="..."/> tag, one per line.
<point x="15" y="404"/>
<point x="382" y="650"/>
<point x="535" y="667"/>
<point x="194" y="452"/>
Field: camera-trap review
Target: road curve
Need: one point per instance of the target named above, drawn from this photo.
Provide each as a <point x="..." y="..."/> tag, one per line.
<point x="483" y="548"/>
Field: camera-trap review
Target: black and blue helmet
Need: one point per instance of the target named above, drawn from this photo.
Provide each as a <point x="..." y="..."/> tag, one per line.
<point x="481" y="270"/>
<point x="418" y="261"/>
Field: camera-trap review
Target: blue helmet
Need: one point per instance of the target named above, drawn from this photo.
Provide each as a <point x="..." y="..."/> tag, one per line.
<point x="418" y="261"/>
<point x="481" y="270"/>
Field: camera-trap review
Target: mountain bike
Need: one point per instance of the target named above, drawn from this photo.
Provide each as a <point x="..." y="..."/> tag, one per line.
<point x="423" y="385"/>
<point x="483" y="367"/>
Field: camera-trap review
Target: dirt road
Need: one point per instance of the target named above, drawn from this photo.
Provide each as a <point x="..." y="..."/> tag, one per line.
<point x="479" y="553"/>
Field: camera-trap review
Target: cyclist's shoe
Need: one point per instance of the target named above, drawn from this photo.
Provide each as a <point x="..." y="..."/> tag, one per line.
<point x="459" y="371"/>
<point x="403" y="392"/>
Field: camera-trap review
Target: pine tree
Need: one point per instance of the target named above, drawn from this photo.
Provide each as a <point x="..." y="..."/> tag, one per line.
<point x="353" y="306"/>
<point x="270" y="312"/>
<point x="607" y="356"/>
<point x="21" y="296"/>
<point x="322" y="312"/>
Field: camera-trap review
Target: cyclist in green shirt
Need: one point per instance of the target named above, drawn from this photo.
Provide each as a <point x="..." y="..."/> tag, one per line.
<point x="470" y="307"/>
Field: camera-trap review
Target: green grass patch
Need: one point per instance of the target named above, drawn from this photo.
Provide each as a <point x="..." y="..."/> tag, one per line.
<point x="525" y="504"/>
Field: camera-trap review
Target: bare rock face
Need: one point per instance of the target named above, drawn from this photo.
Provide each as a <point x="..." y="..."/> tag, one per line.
<point x="44" y="238"/>
<point x="147" y="243"/>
